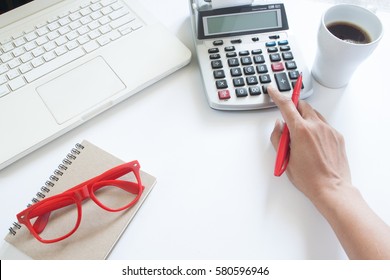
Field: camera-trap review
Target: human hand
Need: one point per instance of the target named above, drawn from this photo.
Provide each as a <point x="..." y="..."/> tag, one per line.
<point x="318" y="160"/>
<point x="318" y="167"/>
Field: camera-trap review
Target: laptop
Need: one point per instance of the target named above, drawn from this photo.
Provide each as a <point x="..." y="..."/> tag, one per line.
<point x="63" y="62"/>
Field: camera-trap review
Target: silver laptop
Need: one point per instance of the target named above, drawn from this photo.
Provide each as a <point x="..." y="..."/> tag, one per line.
<point x="64" y="61"/>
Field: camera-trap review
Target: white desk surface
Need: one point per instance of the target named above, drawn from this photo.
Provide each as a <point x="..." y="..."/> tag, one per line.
<point x="216" y="196"/>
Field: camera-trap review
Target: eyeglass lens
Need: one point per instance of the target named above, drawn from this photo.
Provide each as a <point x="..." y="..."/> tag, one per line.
<point x="58" y="220"/>
<point x="116" y="196"/>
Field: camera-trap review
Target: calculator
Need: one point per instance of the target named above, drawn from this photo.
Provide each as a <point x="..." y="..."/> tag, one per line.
<point x="242" y="50"/>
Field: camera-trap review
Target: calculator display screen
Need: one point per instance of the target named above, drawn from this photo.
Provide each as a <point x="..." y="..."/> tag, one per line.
<point x="242" y="22"/>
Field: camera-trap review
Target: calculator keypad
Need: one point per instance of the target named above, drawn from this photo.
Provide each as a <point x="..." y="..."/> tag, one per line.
<point x="250" y="71"/>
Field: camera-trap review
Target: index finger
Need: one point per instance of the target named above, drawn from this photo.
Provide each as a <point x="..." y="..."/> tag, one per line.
<point x="285" y="105"/>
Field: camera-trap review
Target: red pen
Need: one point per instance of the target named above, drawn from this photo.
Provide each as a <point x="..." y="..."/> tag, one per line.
<point x="283" y="153"/>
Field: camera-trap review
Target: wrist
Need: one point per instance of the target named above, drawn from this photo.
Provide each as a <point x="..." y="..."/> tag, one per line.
<point x="335" y="197"/>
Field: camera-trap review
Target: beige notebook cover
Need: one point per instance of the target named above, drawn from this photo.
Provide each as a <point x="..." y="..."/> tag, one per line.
<point x="99" y="229"/>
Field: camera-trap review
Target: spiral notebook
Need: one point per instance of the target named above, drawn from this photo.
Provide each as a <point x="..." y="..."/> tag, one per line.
<point x="99" y="230"/>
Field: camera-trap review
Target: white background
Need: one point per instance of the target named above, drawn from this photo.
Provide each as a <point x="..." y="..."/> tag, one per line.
<point x="216" y="196"/>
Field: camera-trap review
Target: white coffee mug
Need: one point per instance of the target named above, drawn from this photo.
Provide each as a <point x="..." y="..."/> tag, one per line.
<point x="336" y="59"/>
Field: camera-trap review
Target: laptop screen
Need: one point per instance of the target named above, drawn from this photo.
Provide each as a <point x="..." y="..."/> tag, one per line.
<point x="8" y="5"/>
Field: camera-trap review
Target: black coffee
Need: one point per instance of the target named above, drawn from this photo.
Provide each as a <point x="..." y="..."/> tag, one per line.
<point x="349" y="32"/>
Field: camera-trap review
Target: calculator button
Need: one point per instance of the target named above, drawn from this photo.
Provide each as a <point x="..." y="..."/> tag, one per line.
<point x="272" y="50"/>
<point x="221" y="84"/>
<point x="262" y="69"/>
<point x="293" y="84"/>
<point x="259" y="59"/>
<point x="223" y="94"/>
<point x="252" y="80"/>
<point x="254" y="90"/>
<point x="241" y="92"/>
<point x="277" y="67"/>
<point x="219" y="74"/>
<point x="287" y="56"/>
<point x="230" y="49"/>
<point x="243" y="53"/>
<point x="270" y="44"/>
<point x="236" y="41"/>
<point x="282" y="81"/>
<point x="231" y="54"/>
<point x="293" y="75"/>
<point x="283" y="42"/>
<point x="275" y="57"/>
<point x="233" y="62"/>
<point x="238" y="82"/>
<point x="265" y="89"/>
<point x="216" y="64"/>
<point x="218" y="43"/>
<point x="215" y="56"/>
<point x="213" y="50"/>
<point x="246" y="60"/>
<point x="257" y="51"/>
<point x="291" y="65"/>
<point x="274" y="37"/>
<point x="264" y="79"/>
<point x="236" y="72"/>
<point x="249" y="70"/>
<point x="284" y="48"/>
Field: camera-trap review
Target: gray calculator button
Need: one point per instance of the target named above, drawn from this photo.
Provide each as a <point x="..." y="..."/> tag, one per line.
<point x="251" y="80"/>
<point x="282" y="82"/>
<point x="262" y="69"/>
<point x="216" y="64"/>
<point x="219" y="74"/>
<point x="264" y="79"/>
<point x="241" y="92"/>
<point x="238" y="82"/>
<point x="236" y="72"/>
<point x="254" y="90"/>
<point x="233" y="62"/>
<point x="221" y="84"/>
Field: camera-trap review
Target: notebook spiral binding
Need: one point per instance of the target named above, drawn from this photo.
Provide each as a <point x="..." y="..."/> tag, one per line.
<point x="50" y="183"/>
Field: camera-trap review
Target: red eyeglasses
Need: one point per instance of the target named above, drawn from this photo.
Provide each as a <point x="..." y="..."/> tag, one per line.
<point x="56" y="218"/>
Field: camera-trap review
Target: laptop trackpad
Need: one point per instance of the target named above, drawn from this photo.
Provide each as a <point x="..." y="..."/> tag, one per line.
<point x="80" y="89"/>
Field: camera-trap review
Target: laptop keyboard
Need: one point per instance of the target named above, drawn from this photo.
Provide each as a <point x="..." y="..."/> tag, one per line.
<point x="93" y="24"/>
